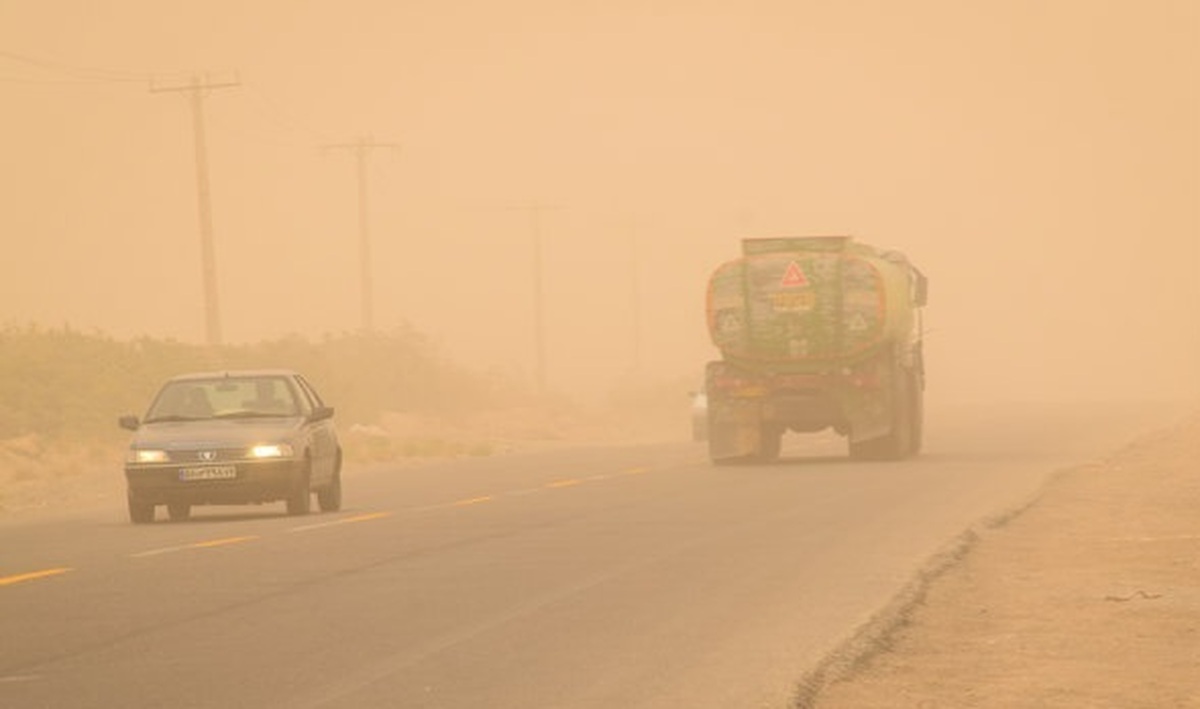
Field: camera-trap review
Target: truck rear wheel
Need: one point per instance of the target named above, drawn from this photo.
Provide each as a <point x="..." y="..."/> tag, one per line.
<point x="898" y="443"/>
<point x="722" y="439"/>
<point x="718" y="450"/>
<point x="865" y="450"/>
<point x="917" y="413"/>
<point x="770" y="444"/>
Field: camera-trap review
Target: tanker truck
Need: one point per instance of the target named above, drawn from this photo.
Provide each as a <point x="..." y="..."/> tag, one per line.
<point x="815" y="333"/>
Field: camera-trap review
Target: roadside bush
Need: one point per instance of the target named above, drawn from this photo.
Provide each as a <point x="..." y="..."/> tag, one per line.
<point x="63" y="383"/>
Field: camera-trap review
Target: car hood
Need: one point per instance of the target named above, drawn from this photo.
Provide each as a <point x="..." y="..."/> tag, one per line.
<point x="215" y="433"/>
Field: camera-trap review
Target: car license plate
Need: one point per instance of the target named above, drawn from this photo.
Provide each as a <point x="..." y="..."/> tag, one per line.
<point x="210" y="472"/>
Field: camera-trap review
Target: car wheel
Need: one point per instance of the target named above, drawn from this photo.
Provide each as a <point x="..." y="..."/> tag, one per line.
<point x="179" y="511"/>
<point x="330" y="497"/>
<point x="299" y="501"/>
<point x="140" y="512"/>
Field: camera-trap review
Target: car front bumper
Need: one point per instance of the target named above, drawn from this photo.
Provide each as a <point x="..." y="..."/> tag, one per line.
<point x="252" y="482"/>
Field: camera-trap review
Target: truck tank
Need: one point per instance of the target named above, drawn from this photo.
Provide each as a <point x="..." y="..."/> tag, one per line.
<point x="815" y="332"/>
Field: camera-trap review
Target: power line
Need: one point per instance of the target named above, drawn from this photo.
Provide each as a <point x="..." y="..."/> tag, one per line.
<point x="51" y="82"/>
<point x="82" y="73"/>
<point x="281" y="118"/>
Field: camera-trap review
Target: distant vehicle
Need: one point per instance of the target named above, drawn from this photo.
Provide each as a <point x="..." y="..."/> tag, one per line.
<point x="241" y="437"/>
<point x="699" y="415"/>
<point x="815" y="333"/>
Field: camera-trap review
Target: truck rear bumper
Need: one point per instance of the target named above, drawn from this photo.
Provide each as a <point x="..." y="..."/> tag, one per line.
<point x="802" y="412"/>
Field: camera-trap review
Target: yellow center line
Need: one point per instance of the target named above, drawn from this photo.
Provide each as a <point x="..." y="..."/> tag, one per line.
<point x="472" y="501"/>
<point x="9" y="580"/>
<point x="564" y="483"/>
<point x="220" y="542"/>
<point x="367" y="517"/>
<point x="157" y="552"/>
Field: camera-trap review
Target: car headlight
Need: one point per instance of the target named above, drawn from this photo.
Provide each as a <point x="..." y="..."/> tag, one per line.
<point x="272" y="450"/>
<point x="147" y="455"/>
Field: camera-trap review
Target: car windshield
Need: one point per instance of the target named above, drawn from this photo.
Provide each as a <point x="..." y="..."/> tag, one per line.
<point x="226" y="397"/>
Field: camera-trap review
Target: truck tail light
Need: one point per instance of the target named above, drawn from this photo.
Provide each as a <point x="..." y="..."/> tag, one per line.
<point x="863" y="377"/>
<point x="734" y="385"/>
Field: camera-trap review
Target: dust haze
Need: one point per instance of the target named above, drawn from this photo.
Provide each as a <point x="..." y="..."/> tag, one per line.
<point x="1040" y="161"/>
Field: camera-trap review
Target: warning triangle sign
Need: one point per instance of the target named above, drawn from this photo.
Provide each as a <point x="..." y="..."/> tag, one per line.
<point x="793" y="277"/>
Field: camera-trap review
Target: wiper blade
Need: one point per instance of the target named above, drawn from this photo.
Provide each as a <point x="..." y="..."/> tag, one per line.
<point x="249" y="415"/>
<point x="171" y="418"/>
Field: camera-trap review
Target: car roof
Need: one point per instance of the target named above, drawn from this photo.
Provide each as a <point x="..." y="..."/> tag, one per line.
<point x="234" y="374"/>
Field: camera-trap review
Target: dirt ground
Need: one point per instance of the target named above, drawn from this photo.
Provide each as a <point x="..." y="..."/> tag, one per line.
<point x="1089" y="597"/>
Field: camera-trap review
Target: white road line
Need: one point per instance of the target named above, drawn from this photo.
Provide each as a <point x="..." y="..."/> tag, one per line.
<point x="163" y="550"/>
<point x="338" y="522"/>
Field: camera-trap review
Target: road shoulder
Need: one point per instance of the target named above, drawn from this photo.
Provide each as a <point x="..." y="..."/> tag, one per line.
<point x="1089" y="596"/>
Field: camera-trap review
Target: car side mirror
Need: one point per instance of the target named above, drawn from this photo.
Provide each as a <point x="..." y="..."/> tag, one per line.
<point x="321" y="413"/>
<point x="128" y="422"/>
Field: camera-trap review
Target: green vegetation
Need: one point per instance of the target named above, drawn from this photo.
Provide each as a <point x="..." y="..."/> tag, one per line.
<point x="65" y="384"/>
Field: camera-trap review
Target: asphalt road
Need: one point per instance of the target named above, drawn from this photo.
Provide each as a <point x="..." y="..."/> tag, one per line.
<point x="632" y="577"/>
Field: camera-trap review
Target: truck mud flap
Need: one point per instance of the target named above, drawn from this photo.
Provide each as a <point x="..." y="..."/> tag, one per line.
<point x="734" y="431"/>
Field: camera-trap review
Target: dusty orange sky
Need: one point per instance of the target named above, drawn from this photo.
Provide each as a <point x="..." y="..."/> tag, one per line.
<point x="1039" y="160"/>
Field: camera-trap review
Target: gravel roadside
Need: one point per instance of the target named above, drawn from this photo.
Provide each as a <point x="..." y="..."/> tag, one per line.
<point x="1088" y="597"/>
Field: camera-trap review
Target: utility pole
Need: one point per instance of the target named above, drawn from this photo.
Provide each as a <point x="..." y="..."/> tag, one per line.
<point x="362" y="150"/>
<point x="208" y="261"/>
<point x="535" y="211"/>
<point x="635" y="294"/>
<point x="539" y="314"/>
